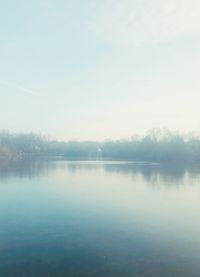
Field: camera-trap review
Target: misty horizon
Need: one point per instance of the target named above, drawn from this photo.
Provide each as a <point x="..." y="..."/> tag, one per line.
<point x="155" y="146"/>
<point x="156" y="132"/>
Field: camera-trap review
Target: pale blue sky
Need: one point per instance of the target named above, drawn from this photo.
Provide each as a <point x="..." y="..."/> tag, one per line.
<point x="99" y="69"/>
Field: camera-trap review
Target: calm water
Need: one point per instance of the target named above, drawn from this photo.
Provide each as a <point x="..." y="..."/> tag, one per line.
<point x="99" y="219"/>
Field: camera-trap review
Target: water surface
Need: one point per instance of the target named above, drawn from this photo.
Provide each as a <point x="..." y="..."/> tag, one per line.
<point x="99" y="219"/>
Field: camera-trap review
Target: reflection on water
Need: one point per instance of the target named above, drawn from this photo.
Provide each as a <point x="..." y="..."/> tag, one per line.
<point x="168" y="174"/>
<point x="67" y="218"/>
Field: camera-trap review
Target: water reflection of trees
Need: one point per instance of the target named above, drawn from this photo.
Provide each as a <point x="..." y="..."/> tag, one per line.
<point x="152" y="171"/>
<point x="28" y="167"/>
<point x="166" y="174"/>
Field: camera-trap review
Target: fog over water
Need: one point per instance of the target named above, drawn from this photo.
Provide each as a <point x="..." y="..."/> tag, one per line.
<point x="99" y="138"/>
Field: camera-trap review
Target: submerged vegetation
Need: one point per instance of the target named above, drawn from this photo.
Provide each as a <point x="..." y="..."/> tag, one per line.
<point x="156" y="145"/>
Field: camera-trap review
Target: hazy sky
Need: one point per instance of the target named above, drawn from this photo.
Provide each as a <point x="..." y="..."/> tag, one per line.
<point x="98" y="69"/>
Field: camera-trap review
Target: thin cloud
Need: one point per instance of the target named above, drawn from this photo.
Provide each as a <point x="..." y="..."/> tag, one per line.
<point x="19" y="88"/>
<point x="42" y="97"/>
<point x="144" y="22"/>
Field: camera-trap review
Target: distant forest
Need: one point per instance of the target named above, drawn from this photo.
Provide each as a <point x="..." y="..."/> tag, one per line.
<point x="156" y="146"/>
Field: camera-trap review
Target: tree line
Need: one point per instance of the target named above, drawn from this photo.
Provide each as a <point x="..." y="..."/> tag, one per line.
<point x="155" y="146"/>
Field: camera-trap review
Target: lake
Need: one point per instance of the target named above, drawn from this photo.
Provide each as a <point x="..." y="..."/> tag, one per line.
<point x="99" y="219"/>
